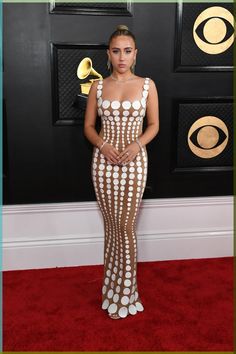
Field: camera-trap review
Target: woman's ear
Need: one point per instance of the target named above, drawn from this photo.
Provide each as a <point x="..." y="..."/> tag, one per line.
<point x="108" y="53"/>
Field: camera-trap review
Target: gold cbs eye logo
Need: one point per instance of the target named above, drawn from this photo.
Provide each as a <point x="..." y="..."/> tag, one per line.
<point x="205" y="134"/>
<point x="210" y="25"/>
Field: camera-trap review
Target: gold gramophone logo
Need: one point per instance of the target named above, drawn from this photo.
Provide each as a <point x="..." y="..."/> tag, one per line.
<point x="211" y="29"/>
<point x="208" y="137"/>
<point x="85" y="68"/>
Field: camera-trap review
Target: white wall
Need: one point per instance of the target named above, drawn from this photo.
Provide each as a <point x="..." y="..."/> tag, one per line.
<point x="71" y="234"/>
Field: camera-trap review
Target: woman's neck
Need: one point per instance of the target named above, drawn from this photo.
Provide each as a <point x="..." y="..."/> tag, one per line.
<point x="122" y="77"/>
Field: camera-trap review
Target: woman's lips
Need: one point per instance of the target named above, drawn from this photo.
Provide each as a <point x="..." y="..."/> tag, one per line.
<point x="121" y="65"/>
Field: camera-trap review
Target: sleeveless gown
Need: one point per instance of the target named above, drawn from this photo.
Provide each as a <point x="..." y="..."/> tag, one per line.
<point x="119" y="190"/>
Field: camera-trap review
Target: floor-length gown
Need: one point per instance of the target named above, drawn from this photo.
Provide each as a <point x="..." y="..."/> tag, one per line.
<point x="119" y="190"/>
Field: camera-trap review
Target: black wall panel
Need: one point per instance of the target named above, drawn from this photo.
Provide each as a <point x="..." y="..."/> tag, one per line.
<point x="48" y="162"/>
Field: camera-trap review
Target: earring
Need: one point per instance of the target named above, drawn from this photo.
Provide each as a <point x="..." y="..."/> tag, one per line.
<point x="133" y="66"/>
<point x="108" y="64"/>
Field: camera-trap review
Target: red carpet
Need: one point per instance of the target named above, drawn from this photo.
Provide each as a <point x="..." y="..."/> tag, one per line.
<point x="188" y="306"/>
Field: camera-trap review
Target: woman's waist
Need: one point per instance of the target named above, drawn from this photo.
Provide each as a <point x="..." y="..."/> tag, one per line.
<point x="118" y="142"/>
<point x="120" y="137"/>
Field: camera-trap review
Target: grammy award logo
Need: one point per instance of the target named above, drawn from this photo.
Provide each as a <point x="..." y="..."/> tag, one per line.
<point x="85" y="68"/>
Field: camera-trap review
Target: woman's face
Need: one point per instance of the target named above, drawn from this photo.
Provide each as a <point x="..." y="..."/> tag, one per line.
<point x="122" y="53"/>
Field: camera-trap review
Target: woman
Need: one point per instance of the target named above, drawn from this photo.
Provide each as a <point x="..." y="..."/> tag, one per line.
<point x="119" y="166"/>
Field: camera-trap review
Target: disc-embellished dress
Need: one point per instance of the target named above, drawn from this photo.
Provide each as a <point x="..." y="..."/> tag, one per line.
<point x="119" y="190"/>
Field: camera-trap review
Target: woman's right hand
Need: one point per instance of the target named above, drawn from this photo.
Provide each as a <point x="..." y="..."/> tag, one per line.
<point x="110" y="152"/>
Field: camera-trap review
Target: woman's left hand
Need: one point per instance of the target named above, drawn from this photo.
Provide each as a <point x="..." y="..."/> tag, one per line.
<point x="129" y="153"/>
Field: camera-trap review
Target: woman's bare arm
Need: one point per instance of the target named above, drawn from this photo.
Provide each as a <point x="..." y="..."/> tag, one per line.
<point x="90" y="117"/>
<point x="108" y="150"/>
<point x="152" y="114"/>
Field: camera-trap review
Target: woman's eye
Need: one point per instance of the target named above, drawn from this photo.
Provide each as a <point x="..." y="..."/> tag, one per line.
<point x="116" y="51"/>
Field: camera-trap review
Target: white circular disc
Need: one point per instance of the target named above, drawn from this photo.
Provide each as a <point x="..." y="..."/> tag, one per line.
<point x="132" y="309"/>
<point x="110" y="294"/>
<point x="136" y="104"/>
<point x="126" y="104"/>
<point x="105" y="304"/>
<point x="116" y="298"/>
<point x="112" y="308"/>
<point x="139" y="306"/>
<point x="124" y="300"/>
<point x="115" y="104"/>
<point x="105" y="104"/>
<point x="123" y="311"/>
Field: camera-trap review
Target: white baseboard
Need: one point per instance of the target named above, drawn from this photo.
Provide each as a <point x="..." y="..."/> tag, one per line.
<point x="71" y="234"/>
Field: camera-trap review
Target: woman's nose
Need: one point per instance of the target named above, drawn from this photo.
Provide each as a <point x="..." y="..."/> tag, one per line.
<point x="121" y="55"/>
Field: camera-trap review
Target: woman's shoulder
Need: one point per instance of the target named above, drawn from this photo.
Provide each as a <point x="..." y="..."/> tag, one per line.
<point x="150" y="81"/>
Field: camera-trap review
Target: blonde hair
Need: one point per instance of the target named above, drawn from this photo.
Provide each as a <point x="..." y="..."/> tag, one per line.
<point x="122" y="27"/>
<point x="122" y="30"/>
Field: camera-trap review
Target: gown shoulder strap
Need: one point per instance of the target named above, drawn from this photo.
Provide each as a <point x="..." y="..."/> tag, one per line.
<point x="99" y="89"/>
<point x="146" y="87"/>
